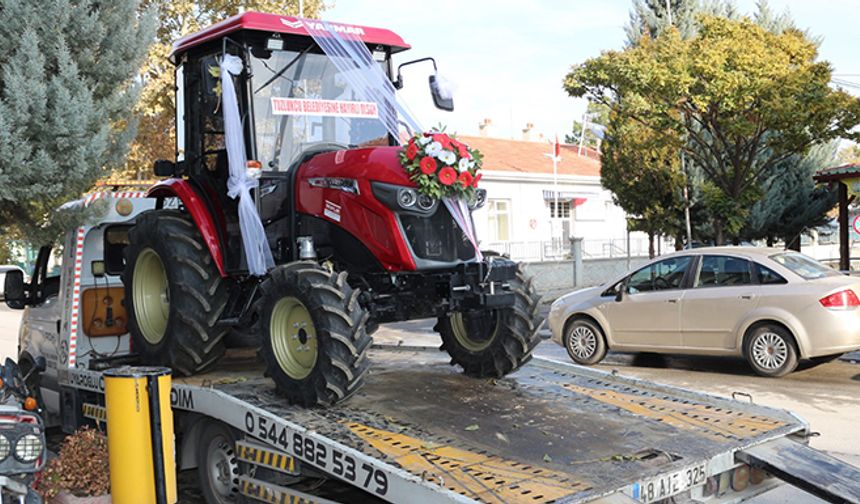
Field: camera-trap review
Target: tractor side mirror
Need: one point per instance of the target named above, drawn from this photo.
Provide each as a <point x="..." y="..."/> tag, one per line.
<point x="40" y="364"/>
<point x="14" y="290"/>
<point x="441" y="98"/>
<point x="164" y="168"/>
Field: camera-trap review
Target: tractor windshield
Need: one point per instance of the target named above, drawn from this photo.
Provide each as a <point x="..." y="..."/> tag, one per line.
<point x="302" y="100"/>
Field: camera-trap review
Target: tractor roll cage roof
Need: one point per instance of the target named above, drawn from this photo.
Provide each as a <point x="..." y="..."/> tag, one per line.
<point x="289" y="25"/>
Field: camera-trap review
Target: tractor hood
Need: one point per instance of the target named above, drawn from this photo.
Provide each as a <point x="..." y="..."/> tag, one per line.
<point x="377" y="164"/>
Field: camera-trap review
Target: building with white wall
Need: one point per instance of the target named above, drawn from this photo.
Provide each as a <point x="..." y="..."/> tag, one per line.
<point x="520" y="215"/>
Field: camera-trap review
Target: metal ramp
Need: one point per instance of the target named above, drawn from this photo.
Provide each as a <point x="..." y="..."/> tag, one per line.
<point x="806" y="468"/>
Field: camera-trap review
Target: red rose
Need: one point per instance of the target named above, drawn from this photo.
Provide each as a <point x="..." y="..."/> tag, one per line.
<point x="447" y="176"/>
<point x="428" y="165"/>
<point x="465" y="178"/>
<point x="476" y="179"/>
<point x="443" y="139"/>
<point x="411" y="151"/>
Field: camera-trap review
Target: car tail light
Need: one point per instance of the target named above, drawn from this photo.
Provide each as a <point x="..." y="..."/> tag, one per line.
<point x="841" y="299"/>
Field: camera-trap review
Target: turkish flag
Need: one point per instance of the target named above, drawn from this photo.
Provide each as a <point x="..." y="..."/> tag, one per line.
<point x="557" y="148"/>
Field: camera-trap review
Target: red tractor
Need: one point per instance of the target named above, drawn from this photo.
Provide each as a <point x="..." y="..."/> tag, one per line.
<point x="354" y="244"/>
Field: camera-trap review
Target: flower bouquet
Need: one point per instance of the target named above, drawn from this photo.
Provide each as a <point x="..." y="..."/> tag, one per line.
<point x="442" y="166"/>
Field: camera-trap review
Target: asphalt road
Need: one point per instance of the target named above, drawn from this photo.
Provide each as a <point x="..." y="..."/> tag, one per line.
<point x="827" y="396"/>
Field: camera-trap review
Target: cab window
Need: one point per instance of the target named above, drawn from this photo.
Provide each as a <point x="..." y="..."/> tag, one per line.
<point x="723" y="271"/>
<point x="662" y="275"/>
<point x="767" y="276"/>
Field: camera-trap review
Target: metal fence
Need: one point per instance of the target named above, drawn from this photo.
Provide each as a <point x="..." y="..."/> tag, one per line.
<point x="559" y="249"/>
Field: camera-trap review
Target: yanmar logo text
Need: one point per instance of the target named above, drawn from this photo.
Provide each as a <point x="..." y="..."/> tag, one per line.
<point x="316" y="25"/>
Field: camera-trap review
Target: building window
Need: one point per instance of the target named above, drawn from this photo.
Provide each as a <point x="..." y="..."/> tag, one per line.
<point x="562" y="212"/>
<point x="499" y="219"/>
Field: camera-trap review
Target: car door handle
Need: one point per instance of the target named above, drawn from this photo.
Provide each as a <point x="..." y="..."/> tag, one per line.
<point x="671" y="300"/>
<point x="746" y="296"/>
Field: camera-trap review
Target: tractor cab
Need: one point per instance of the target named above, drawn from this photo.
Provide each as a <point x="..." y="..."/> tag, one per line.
<point x="299" y="94"/>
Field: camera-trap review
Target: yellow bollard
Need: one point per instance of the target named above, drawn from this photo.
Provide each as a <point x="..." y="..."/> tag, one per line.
<point x="142" y="463"/>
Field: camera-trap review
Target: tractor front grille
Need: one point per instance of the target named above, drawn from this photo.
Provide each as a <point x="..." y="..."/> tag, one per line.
<point x="437" y="237"/>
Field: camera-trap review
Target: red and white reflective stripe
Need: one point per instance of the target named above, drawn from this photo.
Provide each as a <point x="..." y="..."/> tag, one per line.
<point x="76" y="296"/>
<point x="117" y="195"/>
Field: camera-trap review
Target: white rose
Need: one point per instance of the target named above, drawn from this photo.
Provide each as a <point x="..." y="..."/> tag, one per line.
<point x="447" y="157"/>
<point x="433" y="149"/>
<point x="464" y="164"/>
<point x="424" y="140"/>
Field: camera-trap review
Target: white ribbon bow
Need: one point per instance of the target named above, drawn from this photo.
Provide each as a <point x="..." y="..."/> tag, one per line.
<point x="257" y="252"/>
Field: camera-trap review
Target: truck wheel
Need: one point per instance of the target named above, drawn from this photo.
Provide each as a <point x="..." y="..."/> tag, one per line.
<point x="217" y="464"/>
<point x="174" y="293"/>
<point x="314" y="337"/>
<point x="770" y="350"/>
<point x="493" y="343"/>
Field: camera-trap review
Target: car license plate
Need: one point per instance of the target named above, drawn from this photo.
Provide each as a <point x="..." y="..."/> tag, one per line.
<point x="669" y="484"/>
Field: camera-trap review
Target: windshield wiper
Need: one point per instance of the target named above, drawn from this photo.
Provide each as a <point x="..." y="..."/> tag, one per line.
<point x="286" y="67"/>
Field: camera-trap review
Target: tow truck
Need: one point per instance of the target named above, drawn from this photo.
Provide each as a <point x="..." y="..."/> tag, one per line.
<point x="418" y="431"/>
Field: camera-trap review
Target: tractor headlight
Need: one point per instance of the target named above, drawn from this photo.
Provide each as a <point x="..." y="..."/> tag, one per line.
<point x="5" y="447"/>
<point x="406" y="197"/>
<point x="426" y="202"/>
<point x="478" y="200"/>
<point x="28" y="448"/>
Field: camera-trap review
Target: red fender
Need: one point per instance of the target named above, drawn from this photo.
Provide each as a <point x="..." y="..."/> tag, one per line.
<point x="181" y="189"/>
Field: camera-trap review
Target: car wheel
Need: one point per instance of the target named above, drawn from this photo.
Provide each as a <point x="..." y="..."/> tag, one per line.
<point x="584" y="342"/>
<point x="770" y="350"/>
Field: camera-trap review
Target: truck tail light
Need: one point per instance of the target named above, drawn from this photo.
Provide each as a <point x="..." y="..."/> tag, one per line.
<point x="841" y="299"/>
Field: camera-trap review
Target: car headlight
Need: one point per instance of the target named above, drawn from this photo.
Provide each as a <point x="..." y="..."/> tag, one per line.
<point x="28" y="448"/>
<point x="5" y="447"/>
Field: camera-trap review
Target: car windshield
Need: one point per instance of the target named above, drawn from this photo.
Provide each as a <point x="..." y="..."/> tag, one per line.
<point x="804" y="266"/>
<point x="302" y="100"/>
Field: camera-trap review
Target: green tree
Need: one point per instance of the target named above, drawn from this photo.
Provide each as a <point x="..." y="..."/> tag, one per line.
<point x="792" y="203"/>
<point x="156" y="108"/>
<point x="849" y="155"/>
<point x="736" y="98"/>
<point x="66" y="92"/>
<point x="643" y="173"/>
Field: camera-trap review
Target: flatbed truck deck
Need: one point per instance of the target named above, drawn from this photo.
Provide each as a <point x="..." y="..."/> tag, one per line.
<point x="419" y="431"/>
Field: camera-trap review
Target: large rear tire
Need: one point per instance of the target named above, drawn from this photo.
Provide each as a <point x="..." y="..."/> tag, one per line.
<point x="314" y="337"/>
<point x="493" y="343"/>
<point x="173" y="293"/>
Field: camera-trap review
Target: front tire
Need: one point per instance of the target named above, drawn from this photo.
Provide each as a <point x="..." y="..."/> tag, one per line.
<point x="770" y="350"/>
<point x="314" y="334"/>
<point x="493" y="343"/>
<point x="174" y="294"/>
<point x="584" y="342"/>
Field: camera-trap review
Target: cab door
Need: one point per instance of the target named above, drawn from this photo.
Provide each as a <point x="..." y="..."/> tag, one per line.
<point x="40" y="330"/>
<point x="723" y="292"/>
<point x="648" y="315"/>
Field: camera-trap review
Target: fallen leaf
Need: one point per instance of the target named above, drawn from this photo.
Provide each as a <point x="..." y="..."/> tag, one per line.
<point x="473" y="427"/>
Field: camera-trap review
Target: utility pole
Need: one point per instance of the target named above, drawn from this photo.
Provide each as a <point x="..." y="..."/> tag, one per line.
<point x="686" y="201"/>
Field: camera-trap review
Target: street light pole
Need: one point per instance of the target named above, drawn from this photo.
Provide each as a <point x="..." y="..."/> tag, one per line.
<point x="686" y="201"/>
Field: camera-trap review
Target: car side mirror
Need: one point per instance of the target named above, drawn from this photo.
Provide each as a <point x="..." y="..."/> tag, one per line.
<point x="164" y="168"/>
<point x="14" y="290"/>
<point x="620" y="296"/>
<point x="442" y="100"/>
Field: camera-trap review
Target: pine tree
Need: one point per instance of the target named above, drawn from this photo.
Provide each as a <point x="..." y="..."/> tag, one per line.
<point x="792" y="203"/>
<point x="66" y="93"/>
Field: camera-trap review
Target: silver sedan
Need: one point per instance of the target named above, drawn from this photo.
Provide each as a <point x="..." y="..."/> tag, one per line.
<point x="773" y="307"/>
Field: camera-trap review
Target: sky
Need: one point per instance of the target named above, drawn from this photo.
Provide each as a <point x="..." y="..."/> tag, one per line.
<point x="506" y="59"/>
